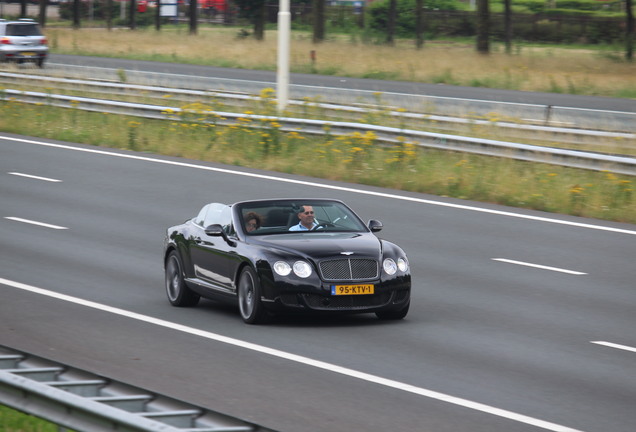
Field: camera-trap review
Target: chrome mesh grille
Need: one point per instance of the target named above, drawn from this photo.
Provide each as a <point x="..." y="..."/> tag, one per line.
<point x="349" y="269"/>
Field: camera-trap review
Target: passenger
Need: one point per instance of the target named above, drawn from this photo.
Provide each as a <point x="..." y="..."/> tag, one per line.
<point x="252" y="222"/>
<point x="307" y="219"/>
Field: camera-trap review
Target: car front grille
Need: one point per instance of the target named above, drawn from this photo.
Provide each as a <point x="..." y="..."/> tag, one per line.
<point x="349" y="269"/>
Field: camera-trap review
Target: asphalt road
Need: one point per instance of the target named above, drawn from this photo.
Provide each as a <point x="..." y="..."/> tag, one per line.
<point x="488" y="346"/>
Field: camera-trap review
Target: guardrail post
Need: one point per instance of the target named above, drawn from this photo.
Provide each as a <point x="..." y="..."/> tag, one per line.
<point x="548" y="114"/>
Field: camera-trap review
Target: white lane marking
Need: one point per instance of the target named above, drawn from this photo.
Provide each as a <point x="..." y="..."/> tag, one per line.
<point x="614" y="345"/>
<point x="298" y="359"/>
<point x="32" y="222"/>
<point x="556" y="269"/>
<point x="325" y="186"/>
<point x="35" y="177"/>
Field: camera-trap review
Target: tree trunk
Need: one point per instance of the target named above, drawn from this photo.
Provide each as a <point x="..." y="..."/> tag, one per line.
<point x="42" y="13"/>
<point x="259" y="22"/>
<point x="629" y="31"/>
<point x="157" y="16"/>
<point x="193" y="16"/>
<point x="419" y="23"/>
<point x="508" y="25"/>
<point x="109" y="14"/>
<point x="76" y="14"/>
<point x="319" y="21"/>
<point x="390" y="30"/>
<point x="483" y="27"/>
<point x="133" y="14"/>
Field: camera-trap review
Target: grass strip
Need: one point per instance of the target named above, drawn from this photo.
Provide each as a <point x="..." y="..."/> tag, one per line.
<point x="16" y="421"/>
<point x="355" y="158"/>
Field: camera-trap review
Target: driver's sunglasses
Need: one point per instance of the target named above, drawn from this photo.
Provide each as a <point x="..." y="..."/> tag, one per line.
<point x="309" y="212"/>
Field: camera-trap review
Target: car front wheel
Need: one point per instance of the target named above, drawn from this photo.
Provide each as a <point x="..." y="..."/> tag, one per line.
<point x="249" y="298"/>
<point x="178" y="292"/>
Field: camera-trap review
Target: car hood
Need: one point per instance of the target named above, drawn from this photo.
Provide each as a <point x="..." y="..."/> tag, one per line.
<point x="323" y="245"/>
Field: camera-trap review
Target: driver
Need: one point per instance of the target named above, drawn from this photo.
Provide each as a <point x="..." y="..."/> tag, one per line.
<point x="307" y="219"/>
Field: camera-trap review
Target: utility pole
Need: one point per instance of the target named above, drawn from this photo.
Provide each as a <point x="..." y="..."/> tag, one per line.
<point x="282" y="74"/>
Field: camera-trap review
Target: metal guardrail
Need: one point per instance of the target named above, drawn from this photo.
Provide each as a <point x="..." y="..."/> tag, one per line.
<point x="555" y="156"/>
<point x="86" y="402"/>
<point x="443" y="106"/>
<point x="549" y="128"/>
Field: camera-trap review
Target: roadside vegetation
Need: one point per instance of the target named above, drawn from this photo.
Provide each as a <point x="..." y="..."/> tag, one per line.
<point x="591" y="70"/>
<point x="197" y="134"/>
<point x="15" y="421"/>
<point x="596" y="70"/>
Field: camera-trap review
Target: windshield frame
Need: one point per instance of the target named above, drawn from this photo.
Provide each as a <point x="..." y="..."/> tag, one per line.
<point x="277" y="216"/>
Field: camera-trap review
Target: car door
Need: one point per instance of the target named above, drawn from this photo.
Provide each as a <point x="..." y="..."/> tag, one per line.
<point x="213" y="258"/>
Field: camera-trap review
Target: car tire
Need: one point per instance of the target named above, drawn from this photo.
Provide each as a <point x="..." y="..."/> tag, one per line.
<point x="178" y="292"/>
<point x="394" y="315"/>
<point x="249" y="298"/>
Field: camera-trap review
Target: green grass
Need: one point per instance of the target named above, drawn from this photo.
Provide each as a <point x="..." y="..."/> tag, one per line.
<point x="16" y="421"/>
<point x="355" y="158"/>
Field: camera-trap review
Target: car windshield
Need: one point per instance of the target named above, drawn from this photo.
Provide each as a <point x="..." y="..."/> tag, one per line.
<point x="278" y="217"/>
<point x="23" y="30"/>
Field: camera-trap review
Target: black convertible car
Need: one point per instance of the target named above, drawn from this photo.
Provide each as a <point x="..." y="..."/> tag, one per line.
<point x="281" y="255"/>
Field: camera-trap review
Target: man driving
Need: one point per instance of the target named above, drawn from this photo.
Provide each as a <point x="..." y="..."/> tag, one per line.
<point x="307" y="219"/>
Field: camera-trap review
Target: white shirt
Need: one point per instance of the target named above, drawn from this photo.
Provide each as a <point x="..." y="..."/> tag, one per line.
<point x="301" y="227"/>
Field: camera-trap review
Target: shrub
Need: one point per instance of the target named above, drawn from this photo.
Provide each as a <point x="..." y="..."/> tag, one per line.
<point x="405" y="22"/>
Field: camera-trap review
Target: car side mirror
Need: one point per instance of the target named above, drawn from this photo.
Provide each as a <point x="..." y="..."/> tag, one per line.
<point x="217" y="230"/>
<point x="375" y="225"/>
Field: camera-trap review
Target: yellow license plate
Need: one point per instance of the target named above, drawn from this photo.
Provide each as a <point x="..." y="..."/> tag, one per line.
<point x="29" y="54"/>
<point x="352" y="289"/>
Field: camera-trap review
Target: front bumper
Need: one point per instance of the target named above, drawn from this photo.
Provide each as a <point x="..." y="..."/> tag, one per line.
<point x="390" y="295"/>
<point x="392" y="300"/>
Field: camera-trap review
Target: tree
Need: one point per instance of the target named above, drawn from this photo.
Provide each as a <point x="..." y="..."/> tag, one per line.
<point x="629" y="29"/>
<point x="260" y="18"/>
<point x="256" y="12"/>
<point x="42" y="13"/>
<point x="109" y="14"/>
<point x="319" y="20"/>
<point x="193" y="16"/>
<point x="390" y="30"/>
<point x="76" y="14"/>
<point x="157" y="15"/>
<point x="133" y="15"/>
<point x="483" y="27"/>
<point x="508" y="26"/>
<point x="419" y="23"/>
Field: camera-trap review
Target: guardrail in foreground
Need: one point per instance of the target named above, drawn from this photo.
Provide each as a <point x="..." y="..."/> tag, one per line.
<point x="86" y="402"/>
<point x="548" y="155"/>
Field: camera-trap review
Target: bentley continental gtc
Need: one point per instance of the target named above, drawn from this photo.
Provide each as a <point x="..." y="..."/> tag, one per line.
<point x="286" y="255"/>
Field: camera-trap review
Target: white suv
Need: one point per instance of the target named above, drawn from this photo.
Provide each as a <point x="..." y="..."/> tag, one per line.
<point x="22" y="41"/>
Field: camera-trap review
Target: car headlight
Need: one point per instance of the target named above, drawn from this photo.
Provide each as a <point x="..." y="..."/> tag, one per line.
<point x="389" y="266"/>
<point x="403" y="264"/>
<point x="302" y="269"/>
<point x="282" y="268"/>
